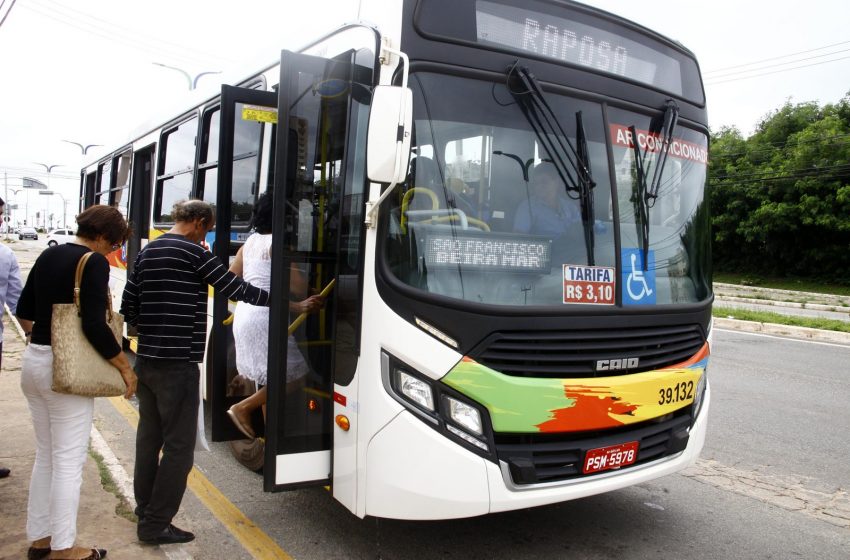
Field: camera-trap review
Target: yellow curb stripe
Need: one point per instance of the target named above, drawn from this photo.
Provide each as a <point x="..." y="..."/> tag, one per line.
<point x="258" y="544"/>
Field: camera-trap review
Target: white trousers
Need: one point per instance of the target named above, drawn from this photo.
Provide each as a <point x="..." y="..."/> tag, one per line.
<point x="62" y="426"/>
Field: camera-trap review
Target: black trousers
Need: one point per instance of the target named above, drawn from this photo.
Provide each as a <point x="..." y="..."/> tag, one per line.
<point x="168" y="422"/>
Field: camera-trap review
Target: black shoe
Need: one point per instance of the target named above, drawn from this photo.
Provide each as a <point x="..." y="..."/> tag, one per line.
<point x="4" y="472"/>
<point x="169" y="535"/>
<point x="34" y="553"/>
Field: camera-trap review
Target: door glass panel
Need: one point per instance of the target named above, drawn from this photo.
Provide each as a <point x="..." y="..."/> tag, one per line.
<point x="319" y="251"/>
<point x="244" y="189"/>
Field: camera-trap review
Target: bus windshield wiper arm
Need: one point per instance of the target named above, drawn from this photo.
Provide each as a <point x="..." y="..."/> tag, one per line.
<point x="571" y="163"/>
<point x="645" y="194"/>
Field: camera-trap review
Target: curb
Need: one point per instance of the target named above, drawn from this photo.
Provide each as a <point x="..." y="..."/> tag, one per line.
<point x="801" y="333"/>
<point x="720" y="287"/>
<point x="791" y="304"/>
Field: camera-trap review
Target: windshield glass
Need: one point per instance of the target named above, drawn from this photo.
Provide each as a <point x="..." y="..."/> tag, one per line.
<point x="676" y="268"/>
<point x="484" y="215"/>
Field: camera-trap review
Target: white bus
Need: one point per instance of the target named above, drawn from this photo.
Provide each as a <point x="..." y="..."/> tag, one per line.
<point x="483" y="348"/>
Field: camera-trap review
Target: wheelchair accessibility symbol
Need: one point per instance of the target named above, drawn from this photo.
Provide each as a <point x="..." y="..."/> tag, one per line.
<point x="639" y="283"/>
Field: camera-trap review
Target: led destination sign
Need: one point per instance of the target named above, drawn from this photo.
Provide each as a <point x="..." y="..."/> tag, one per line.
<point x="576" y="42"/>
<point x="488" y="253"/>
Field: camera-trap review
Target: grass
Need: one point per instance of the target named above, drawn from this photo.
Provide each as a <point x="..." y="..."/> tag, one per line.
<point x="768" y="317"/>
<point x="123" y="508"/>
<point x="798" y="284"/>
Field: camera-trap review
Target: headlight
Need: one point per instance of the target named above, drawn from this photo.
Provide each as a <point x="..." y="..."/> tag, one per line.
<point x="465" y="416"/>
<point x="415" y="390"/>
<point x="439" y="406"/>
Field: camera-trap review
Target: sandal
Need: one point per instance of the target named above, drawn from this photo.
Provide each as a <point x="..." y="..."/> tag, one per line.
<point x="244" y="428"/>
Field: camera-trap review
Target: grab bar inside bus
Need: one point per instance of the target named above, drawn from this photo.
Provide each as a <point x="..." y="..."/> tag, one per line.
<point x="461" y="215"/>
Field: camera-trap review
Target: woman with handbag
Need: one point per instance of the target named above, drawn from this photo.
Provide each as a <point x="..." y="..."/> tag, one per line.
<point x="62" y="422"/>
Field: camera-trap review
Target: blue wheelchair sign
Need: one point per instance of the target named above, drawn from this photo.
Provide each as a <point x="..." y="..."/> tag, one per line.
<point x="638" y="284"/>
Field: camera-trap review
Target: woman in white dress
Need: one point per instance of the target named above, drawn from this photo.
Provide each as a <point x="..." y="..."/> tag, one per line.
<point x="251" y="323"/>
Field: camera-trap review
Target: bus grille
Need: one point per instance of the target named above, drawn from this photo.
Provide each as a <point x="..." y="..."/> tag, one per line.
<point x="539" y="458"/>
<point x="574" y="353"/>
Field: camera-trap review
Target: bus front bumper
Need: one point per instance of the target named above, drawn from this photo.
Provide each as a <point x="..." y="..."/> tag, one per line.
<point x="414" y="472"/>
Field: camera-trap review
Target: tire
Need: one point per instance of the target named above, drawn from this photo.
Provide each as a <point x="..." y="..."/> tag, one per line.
<point x="52" y="243"/>
<point x="20" y="238"/>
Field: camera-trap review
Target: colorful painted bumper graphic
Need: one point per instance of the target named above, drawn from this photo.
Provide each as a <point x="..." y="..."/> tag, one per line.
<point x="522" y="405"/>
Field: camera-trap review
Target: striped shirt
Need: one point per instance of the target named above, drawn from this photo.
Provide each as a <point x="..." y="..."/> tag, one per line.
<point x="166" y="297"/>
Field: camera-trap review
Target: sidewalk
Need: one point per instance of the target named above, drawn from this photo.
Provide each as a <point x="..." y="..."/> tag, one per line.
<point x="97" y="524"/>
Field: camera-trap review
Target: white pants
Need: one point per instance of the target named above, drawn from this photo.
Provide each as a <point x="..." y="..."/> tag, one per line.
<point x="62" y="426"/>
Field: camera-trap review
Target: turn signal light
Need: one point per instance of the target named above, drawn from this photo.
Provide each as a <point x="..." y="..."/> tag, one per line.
<point x="343" y="422"/>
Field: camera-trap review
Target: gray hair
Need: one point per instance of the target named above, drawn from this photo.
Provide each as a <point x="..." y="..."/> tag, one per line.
<point x="192" y="210"/>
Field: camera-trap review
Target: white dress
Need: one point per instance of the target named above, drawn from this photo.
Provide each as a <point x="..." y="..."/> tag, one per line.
<point x="251" y="323"/>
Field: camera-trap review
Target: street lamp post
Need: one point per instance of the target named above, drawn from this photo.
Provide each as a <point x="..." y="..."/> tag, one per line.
<point x="84" y="148"/>
<point x="49" y="169"/>
<point x="193" y="83"/>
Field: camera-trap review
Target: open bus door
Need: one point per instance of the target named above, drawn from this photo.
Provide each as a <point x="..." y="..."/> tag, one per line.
<point x="247" y="116"/>
<point x="317" y="234"/>
<point x="309" y="217"/>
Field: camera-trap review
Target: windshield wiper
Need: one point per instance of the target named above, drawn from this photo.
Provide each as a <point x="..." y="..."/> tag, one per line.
<point x="571" y="163"/>
<point x="644" y="194"/>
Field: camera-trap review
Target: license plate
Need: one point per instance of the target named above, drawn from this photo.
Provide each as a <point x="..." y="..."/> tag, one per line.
<point x="610" y="457"/>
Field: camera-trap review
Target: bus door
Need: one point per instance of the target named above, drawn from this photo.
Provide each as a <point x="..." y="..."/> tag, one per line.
<point x="141" y="184"/>
<point x="311" y="223"/>
<point x="246" y="117"/>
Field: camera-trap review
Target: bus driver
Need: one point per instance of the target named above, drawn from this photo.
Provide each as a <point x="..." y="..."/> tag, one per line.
<point x="547" y="210"/>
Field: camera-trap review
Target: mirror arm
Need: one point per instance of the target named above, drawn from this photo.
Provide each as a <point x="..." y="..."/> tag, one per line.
<point x="372" y="207"/>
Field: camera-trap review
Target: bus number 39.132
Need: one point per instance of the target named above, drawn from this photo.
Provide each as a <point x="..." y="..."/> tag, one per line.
<point x="679" y="392"/>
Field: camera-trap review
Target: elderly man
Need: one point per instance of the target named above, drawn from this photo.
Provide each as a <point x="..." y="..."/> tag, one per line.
<point x="166" y="300"/>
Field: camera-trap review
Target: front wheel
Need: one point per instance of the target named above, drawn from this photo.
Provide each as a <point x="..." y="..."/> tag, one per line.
<point x="52" y="243"/>
<point x="20" y="238"/>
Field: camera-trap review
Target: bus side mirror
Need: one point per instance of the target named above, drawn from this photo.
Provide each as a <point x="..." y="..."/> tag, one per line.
<point x="388" y="140"/>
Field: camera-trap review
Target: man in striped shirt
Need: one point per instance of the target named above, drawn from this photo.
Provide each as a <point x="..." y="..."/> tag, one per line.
<point x="166" y="300"/>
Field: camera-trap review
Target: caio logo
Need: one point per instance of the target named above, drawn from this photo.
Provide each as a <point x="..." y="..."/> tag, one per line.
<point x="617" y="364"/>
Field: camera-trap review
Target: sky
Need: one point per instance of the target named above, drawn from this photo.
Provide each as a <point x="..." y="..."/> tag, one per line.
<point x="85" y="72"/>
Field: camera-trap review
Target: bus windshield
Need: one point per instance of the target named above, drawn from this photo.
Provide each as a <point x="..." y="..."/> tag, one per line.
<point x="486" y="216"/>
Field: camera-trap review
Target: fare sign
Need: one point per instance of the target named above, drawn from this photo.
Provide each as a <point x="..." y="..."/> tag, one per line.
<point x="589" y="284"/>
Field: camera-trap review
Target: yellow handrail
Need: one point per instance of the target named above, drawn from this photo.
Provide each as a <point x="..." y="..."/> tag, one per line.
<point x="451" y="217"/>
<point x="405" y="201"/>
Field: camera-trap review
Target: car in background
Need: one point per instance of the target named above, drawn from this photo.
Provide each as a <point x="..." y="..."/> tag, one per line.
<point x="60" y="236"/>
<point x="27" y="233"/>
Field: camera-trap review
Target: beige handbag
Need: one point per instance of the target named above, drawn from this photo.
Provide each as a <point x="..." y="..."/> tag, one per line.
<point x="78" y="369"/>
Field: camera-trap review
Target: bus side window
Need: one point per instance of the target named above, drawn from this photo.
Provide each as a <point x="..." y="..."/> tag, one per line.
<point x="208" y="162"/>
<point x="104" y="175"/>
<point x="119" y="194"/>
<point x="176" y="166"/>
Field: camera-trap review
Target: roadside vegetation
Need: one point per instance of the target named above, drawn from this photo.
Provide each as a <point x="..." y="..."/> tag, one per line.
<point x="777" y="318"/>
<point x="123" y="507"/>
<point x="780" y="199"/>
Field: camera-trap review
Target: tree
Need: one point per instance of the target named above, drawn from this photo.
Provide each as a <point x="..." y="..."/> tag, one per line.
<point x="781" y="198"/>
